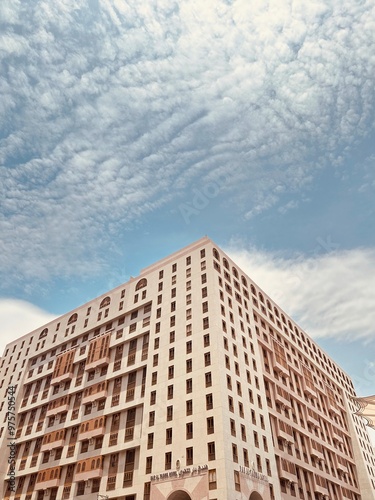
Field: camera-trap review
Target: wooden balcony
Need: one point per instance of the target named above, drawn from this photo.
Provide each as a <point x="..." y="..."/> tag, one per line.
<point x="316" y="450"/>
<point x="287" y="470"/>
<point x="312" y="418"/>
<point x="282" y="397"/>
<point x="97" y="391"/>
<point x="284" y="431"/>
<point x="51" y="483"/>
<point x="320" y="485"/>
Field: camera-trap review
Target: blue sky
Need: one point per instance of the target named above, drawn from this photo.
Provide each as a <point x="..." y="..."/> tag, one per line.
<point x="130" y="129"/>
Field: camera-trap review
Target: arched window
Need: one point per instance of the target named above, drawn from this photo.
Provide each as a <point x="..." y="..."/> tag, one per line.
<point x="92" y="464"/>
<point x="43" y="333"/>
<point x="79" y="468"/>
<point x="244" y="282"/>
<point x="83" y="466"/>
<point x="225" y="263"/>
<point x="269" y="305"/>
<point x="105" y="302"/>
<point x="235" y="272"/>
<point x="261" y="298"/>
<point x="276" y="311"/>
<point x="216" y="254"/>
<point x="141" y="284"/>
<point x="73" y="318"/>
<point x="98" y="463"/>
<point x="253" y="291"/>
<point x="283" y="318"/>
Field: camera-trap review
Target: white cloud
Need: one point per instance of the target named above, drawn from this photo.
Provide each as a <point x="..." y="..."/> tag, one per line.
<point x="110" y="109"/>
<point x="329" y="295"/>
<point x="18" y="317"/>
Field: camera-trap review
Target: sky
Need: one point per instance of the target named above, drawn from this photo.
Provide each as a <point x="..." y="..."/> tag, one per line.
<point x="131" y="129"/>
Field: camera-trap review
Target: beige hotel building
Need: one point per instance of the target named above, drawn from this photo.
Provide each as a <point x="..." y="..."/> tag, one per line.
<point x="185" y="383"/>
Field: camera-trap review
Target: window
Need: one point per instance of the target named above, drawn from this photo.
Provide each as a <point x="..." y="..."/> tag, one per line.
<point x="168" y="460"/>
<point x="168" y="436"/>
<point x="170" y="372"/>
<point x="207" y="359"/>
<point x="234" y="453"/>
<point x="189" y="407"/>
<point x="206" y="340"/>
<point x="189" y="430"/>
<point x="189" y="386"/>
<point x="209" y="401"/>
<point x="189" y="365"/>
<point x="212" y="479"/>
<point x="170" y="392"/>
<point x="208" y="378"/>
<point x="206" y="323"/>
<point x="189" y="456"/>
<point x="151" y="419"/>
<point x="169" y="413"/>
<point x="171" y="353"/>
<point x="153" y="398"/>
<point x="237" y="484"/>
<point x="188" y="347"/>
<point x="148" y="465"/>
<point x="211" y="451"/>
<point x="150" y="441"/>
<point x="210" y="425"/>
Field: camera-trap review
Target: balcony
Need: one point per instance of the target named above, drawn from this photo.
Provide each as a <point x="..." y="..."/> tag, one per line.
<point x="282" y="397"/>
<point x="312" y="418"/>
<point x="48" y="478"/>
<point x="58" y="405"/>
<point x="316" y="450"/>
<point x="92" y="428"/>
<point x="53" y="440"/>
<point x="320" y="485"/>
<point x="341" y="464"/>
<point x="287" y="470"/>
<point x="97" y="391"/>
<point x="337" y="435"/>
<point x="89" y="469"/>
<point x="285" y="431"/>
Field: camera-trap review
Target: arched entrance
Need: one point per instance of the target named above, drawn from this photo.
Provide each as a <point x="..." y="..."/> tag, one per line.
<point x="255" y="496"/>
<point x="179" y="495"/>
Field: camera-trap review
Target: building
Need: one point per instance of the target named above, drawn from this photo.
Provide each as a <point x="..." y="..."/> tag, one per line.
<point x="186" y="383"/>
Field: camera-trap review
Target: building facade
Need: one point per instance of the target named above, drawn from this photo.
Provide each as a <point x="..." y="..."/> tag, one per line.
<point x="186" y="383"/>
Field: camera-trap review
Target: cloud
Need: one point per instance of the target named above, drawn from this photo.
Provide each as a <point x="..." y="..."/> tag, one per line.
<point x="109" y="110"/>
<point x="329" y="295"/>
<point x="18" y="317"/>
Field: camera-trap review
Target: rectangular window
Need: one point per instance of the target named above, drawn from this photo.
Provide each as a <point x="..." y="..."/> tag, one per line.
<point x="211" y="451"/>
<point x="150" y="441"/>
<point x="207" y="359"/>
<point x="170" y="392"/>
<point x="209" y="401"/>
<point x="189" y="407"/>
<point x="212" y="479"/>
<point x="168" y="436"/>
<point x="169" y="413"/>
<point x="189" y="386"/>
<point x="189" y="456"/>
<point x="210" y="425"/>
<point x="189" y="430"/>
<point x="168" y="460"/>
